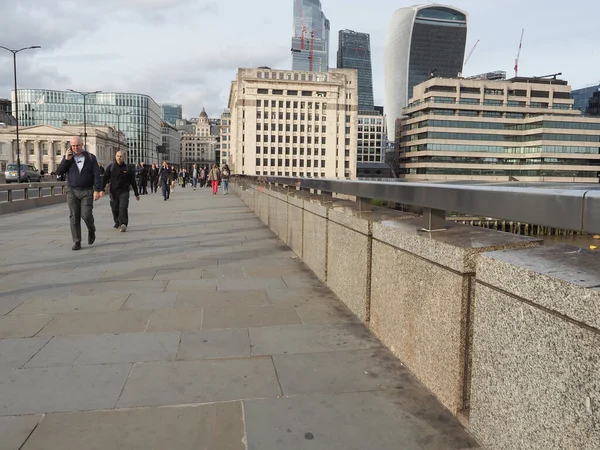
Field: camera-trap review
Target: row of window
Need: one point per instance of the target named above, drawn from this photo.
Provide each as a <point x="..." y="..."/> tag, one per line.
<point x="294" y="139"/>
<point x="498" y="149"/>
<point x="500" y="172"/>
<point x="292" y="128"/>
<point x="502" y="126"/>
<point x="289" y="116"/>
<point x="500" y="137"/>
<point x="513" y="161"/>
<point x="292" y="76"/>
<point x="293" y="163"/>
<point x="291" y="93"/>
<point x="289" y="104"/>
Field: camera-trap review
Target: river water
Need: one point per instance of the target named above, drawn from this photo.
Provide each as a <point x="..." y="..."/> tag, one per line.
<point x="579" y="241"/>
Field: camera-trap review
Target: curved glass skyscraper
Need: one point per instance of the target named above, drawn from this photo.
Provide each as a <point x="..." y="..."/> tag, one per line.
<point x="311" y="37"/>
<point x="422" y="41"/>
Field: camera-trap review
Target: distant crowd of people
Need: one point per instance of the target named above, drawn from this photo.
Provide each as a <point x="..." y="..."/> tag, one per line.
<point x="87" y="181"/>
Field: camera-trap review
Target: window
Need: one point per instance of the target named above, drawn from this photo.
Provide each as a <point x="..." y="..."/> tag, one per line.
<point x="263" y="91"/>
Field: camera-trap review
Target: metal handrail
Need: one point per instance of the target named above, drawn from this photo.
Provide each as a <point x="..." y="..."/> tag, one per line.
<point x="565" y="209"/>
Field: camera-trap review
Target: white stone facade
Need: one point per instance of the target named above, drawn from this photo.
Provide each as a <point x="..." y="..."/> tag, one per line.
<point x="291" y="123"/>
<point x="43" y="146"/>
<point x="200" y="146"/>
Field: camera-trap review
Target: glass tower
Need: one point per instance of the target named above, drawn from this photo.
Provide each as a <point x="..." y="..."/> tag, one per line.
<point x="137" y="116"/>
<point x="310" y="42"/>
<point x="170" y="112"/>
<point x="422" y="42"/>
<point x="354" y="52"/>
<point x="583" y="96"/>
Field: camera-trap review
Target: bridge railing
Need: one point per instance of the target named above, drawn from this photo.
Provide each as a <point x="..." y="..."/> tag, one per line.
<point x="23" y="196"/>
<point x="566" y="208"/>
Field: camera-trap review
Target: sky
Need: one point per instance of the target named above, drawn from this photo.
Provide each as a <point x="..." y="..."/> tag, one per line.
<point x="188" y="51"/>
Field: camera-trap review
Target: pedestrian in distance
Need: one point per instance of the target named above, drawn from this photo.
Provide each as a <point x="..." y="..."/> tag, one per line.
<point x="164" y="175"/>
<point x="121" y="179"/>
<point x="225" y="174"/>
<point x="214" y="176"/>
<point x="153" y="175"/>
<point x="143" y="179"/>
<point x="84" y="187"/>
<point x="194" y="176"/>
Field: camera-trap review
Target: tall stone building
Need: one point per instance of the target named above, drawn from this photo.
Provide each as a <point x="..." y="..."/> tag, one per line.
<point x="199" y="147"/>
<point x="291" y="123"/>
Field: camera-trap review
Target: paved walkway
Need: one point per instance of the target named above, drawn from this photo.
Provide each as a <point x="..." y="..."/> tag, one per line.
<point x="195" y="329"/>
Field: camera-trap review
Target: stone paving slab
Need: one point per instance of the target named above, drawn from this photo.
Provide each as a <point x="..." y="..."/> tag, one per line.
<point x="217" y="426"/>
<point x="346" y="422"/>
<point x="54" y="389"/>
<point x="14" y="353"/>
<point x="15" y="430"/>
<point x="182" y="333"/>
<point x="107" y="349"/>
<point x="71" y="303"/>
<point x="233" y="343"/>
<point x="95" y="323"/>
<point x="207" y="381"/>
<point x="310" y="339"/>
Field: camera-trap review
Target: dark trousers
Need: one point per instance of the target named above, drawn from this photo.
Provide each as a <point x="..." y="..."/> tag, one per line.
<point x="153" y="184"/>
<point x="119" y="203"/>
<point x="143" y="187"/>
<point x="81" y="204"/>
<point x="166" y="188"/>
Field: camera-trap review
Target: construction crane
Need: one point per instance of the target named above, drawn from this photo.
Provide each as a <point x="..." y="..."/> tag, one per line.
<point x="470" y="53"/>
<point x="519" y="54"/>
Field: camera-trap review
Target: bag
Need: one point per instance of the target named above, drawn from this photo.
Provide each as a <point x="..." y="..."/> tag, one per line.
<point x="226" y="173"/>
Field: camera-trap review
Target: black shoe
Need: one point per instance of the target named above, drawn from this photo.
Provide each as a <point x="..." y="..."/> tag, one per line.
<point x="116" y="225"/>
<point x="77" y="246"/>
<point x="91" y="237"/>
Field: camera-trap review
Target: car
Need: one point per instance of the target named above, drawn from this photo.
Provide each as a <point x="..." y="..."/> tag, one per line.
<point x="28" y="173"/>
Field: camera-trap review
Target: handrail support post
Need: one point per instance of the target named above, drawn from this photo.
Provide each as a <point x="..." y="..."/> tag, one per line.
<point x="434" y="219"/>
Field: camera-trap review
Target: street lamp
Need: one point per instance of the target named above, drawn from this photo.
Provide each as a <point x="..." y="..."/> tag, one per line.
<point x="119" y="114"/>
<point x="14" y="52"/>
<point x="84" y="95"/>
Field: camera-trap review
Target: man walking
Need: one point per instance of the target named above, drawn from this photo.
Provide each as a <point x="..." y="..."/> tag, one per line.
<point x="194" y="176"/>
<point x="143" y="179"/>
<point x="121" y="179"/>
<point x="164" y="175"/>
<point x="84" y="186"/>
<point x="153" y="178"/>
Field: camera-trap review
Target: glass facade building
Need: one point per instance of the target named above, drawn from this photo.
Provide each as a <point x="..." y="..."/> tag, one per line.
<point x="583" y="96"/>
<point x="170" y="112"/>
<point x="138" y="116"/>
<point x="311" y="37"/>
<point x="421" y="42"/>
<point x="354" y="52"/>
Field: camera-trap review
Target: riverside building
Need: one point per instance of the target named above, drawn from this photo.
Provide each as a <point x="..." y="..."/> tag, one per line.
<point x="523" y="129"/>
<point x="136" y="115"/>
<point x="292" y="123"/>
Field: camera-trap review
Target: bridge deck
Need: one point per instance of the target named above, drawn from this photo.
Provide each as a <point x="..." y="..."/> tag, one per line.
<point x="195" y="329"/>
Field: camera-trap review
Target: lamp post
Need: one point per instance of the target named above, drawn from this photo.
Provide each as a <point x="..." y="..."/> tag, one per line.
<point x="84" y="95"/>
<point x="119" y="114"/>
<point x="14" y="52"/>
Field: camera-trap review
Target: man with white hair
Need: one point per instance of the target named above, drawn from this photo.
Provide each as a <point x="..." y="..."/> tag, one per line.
<point x="121" y="179"/>
<point x="84" y="186"/>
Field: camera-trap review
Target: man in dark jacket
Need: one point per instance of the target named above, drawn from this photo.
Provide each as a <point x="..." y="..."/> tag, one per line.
<point x="143" y="179"/>
<point x="84" y="186"/>
<point x="121" y="179"/>
<point x="164" y="175"/>
<point x="153" y="175"/>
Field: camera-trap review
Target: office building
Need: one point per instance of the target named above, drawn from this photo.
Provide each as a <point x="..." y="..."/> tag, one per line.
<point x="199" y="147"/>
<point x="225" y="137"/>
<point x="290" y="123"/>
<point x="136" y="115"/>
<point x="582" y="97"/>
<point x="523" y="129"/>
<point x="5" y="106"/>
<point x="171" y="144"/>
<point x="421" y="42"/>
<point x="354" y="52"/>
<point x="372" y="134"/>
<point x="170" y="112"/>
<point x="310" y="43"/>
<point x="43" y="146"/>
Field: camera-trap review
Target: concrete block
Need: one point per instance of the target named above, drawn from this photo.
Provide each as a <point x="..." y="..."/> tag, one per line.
<point x="15" y="430"/>
<point x="295" y="231"/>
<point x="421" y="309"/>
<point x="314" y="241"/>
<point x="249" y="316"/>
<point x="536" y="350"/>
